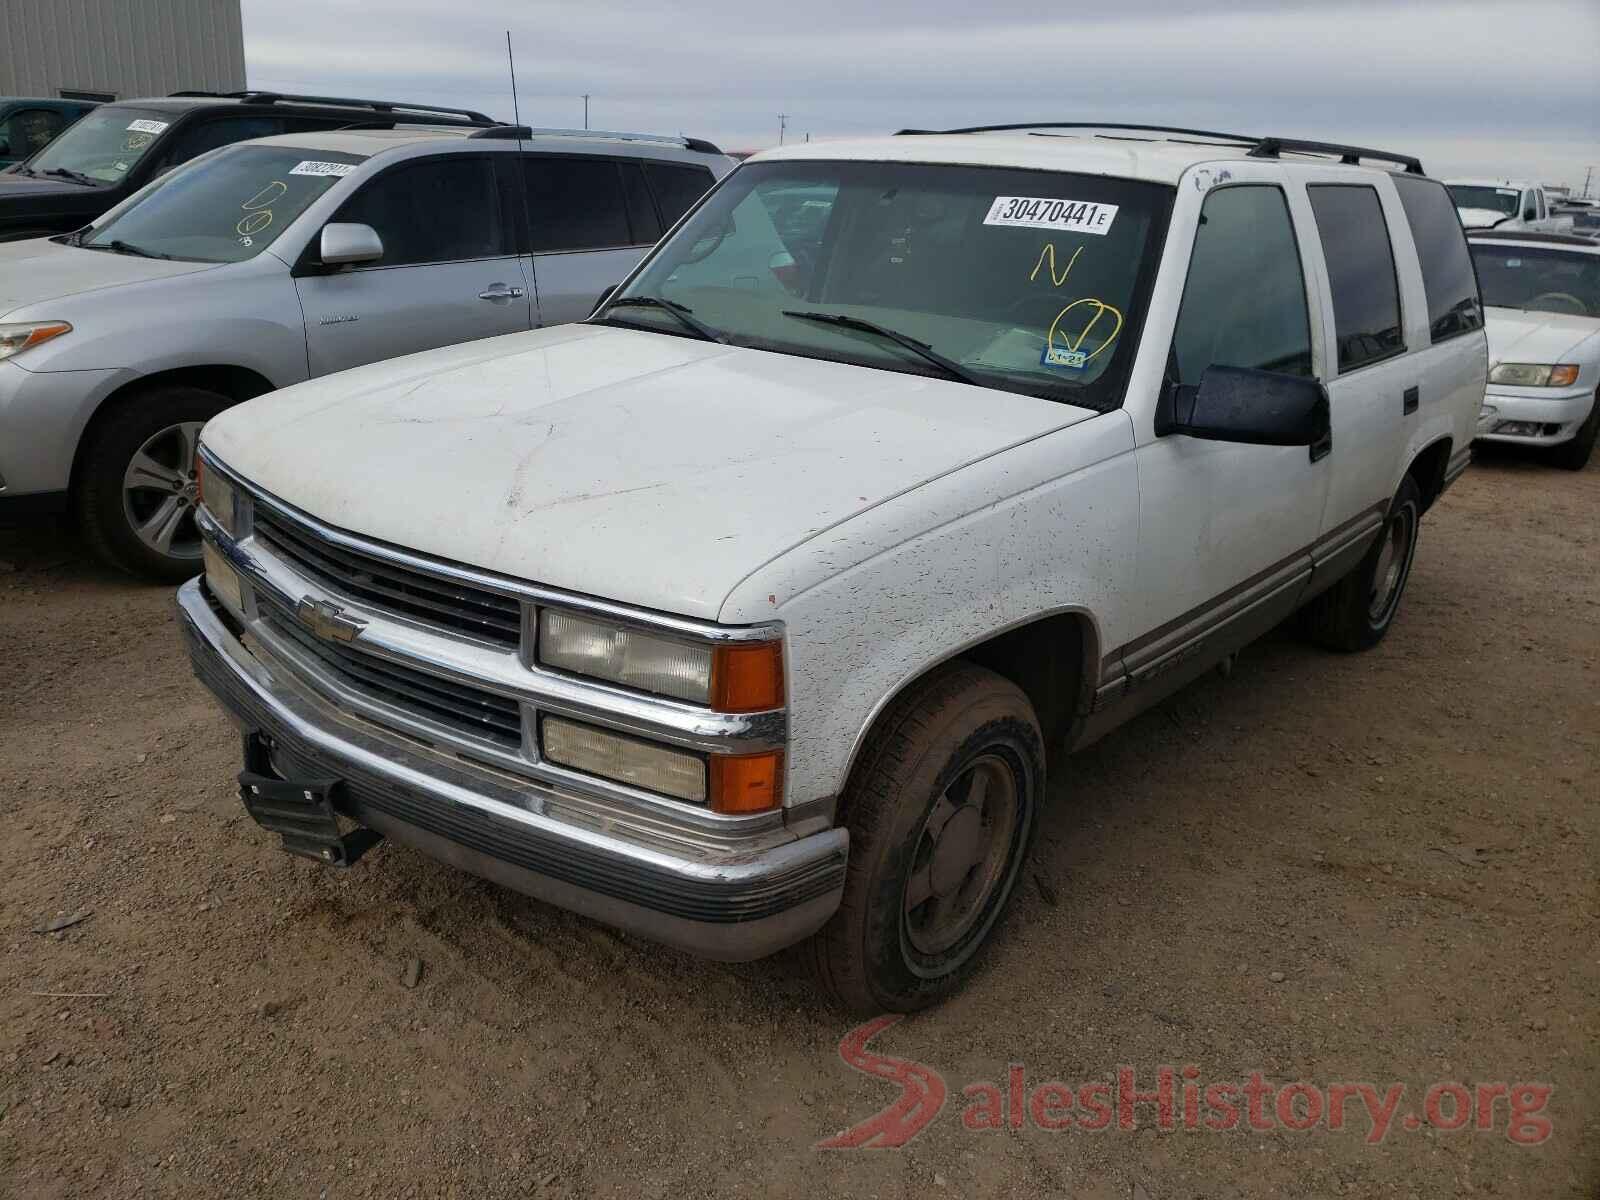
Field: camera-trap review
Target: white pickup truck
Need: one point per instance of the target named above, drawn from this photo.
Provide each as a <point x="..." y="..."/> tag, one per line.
<point x="1506" y="205"/>
<point x="745" y="613"/>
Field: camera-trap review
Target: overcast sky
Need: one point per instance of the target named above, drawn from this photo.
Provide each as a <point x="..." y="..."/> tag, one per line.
<point x="1497" y="87"/>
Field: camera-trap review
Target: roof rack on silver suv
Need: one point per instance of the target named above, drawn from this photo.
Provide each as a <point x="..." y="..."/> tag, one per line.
<point x="468" y="115"/>
<point x="1260" y="147"/>
<point x="662" y="139"/>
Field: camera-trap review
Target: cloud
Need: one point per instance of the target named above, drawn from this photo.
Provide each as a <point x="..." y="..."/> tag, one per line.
<point x="1459" y="77"/>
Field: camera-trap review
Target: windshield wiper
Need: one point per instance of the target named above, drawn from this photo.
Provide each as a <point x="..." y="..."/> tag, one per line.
<point x="121" y="247"/>
<point x="73" y="176"/>
<point x="683" y="312"/>
<point x="921" y="349"/>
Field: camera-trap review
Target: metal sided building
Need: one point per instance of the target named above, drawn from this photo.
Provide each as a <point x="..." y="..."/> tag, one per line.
<point x="114" y="49"/>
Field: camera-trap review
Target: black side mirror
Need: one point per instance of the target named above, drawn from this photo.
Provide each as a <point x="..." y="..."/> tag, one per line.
<point x="604" y="296"/>
<point x="1237" y="404"/>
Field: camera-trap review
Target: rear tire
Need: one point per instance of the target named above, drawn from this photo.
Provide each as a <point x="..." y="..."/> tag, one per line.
<point x="941" y="810"/>
<point x="136" y="490"/>
<point x="1574" y="455"/>
<point x="1356" y="612"/>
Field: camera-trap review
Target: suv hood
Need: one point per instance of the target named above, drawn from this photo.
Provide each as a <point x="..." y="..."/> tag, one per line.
<point x="639" y="467"/>
<point x="1520" y="336"/>
<point x="39" y="270"/>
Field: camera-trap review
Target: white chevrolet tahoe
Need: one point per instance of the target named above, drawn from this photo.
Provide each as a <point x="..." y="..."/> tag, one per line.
<point x="744" y="613"/>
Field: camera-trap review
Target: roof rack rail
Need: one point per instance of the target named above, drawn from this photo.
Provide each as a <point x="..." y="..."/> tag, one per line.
<point x="398" y="108"/>
<point x="1028" y="125"/>
<point x="1272" y="147"/>
<point x="498" y="131"/>
<point x="1260" y="147"/>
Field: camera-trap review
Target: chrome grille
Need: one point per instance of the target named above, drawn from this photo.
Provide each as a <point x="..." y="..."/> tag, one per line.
<point x="393" y="588"/>
<point x="460" y="707"/>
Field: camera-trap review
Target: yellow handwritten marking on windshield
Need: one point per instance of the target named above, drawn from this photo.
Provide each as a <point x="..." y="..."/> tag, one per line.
<point x="267" y="195"/>
<point x="1101" y="308"/>
<point x="253" y="223"/>
<point x="1049" y="252"/>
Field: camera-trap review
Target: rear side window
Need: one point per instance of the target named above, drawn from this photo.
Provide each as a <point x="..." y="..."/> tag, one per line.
<point x="575" y="204"/>
<point x="641" y="209"/>
<point x="1366" y="291"/>
<point x="677" y="187"/>
<point x="1447" y="276"/>
<point x="1244" y="303"/>
<point x="436" y="210"/>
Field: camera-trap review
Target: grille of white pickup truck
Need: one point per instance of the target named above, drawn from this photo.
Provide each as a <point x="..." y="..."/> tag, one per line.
<point x="469" y="710"/>
<point x="394" y="588"/>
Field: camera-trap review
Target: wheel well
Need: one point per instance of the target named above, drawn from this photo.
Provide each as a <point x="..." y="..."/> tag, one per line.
<point x="237" y="383"/>
<point x="1428" y="468"/>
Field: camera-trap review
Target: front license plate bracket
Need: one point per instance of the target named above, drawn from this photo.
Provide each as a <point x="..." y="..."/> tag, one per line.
<point x="300" y="811"/>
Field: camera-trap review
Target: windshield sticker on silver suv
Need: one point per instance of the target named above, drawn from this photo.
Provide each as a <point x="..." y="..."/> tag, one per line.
<point x="321" y="168"/>
<point x="148" y="126"/>
<point x="1038" y="212"/>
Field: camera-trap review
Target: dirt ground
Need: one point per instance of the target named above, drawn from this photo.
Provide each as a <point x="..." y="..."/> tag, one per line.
<point x="1375" y="868"/>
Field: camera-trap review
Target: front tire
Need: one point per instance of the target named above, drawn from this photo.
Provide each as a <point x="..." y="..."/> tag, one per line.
<point x="137" y="491"/>
<point x="1356" y="612"/>
<point x="941" y="808"/>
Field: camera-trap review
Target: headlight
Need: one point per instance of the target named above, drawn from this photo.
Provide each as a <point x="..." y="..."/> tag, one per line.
<point x="219" y="498"/>
<point x="733" y="677"/>
<point x="1535" y="374"/>
<point x="15" y="338"/>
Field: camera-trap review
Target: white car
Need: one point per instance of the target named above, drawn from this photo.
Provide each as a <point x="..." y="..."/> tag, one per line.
<point x="1542" y="296"/>
<point x="1505" y="204"/>
<point x="745" y="613"/>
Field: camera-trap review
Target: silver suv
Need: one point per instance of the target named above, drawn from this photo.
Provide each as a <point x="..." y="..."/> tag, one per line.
<point x="269" y="262"/>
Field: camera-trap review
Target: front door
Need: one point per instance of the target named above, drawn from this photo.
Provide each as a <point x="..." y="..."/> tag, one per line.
<point x="1225" y="529"/>
<point x="449" y="272"/>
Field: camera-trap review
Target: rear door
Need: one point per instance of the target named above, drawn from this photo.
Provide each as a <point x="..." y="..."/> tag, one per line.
<point x="590" y="220"/>
<point x="449" y="271"/>
<point x="1373" y="383"/>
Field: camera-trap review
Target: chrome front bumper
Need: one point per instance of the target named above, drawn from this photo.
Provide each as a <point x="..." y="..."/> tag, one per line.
<point x="732" y="898"/>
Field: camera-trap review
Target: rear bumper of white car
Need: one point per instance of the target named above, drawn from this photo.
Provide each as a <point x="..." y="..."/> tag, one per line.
<point x="732" y="902"/>
<point x="1520" y="418"/>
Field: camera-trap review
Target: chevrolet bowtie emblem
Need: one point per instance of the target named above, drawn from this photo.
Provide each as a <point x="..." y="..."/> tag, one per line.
<point x="327" y="620"/>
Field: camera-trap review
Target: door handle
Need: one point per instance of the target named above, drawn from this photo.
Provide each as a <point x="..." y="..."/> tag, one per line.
<point x="1408" y="401"/>
<point x="499" y="291"/>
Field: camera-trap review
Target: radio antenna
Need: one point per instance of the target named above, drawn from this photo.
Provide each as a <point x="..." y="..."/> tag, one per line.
<point x="525" y="251"/>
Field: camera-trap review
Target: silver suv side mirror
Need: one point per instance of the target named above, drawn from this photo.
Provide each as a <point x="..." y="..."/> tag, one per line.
<point x="346" y="242"/>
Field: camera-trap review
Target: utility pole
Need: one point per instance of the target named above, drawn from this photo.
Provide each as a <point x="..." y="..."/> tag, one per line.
<point x="1587" y="175"/>
<point x="783" y="123"/>
<point x="586" y="110"/>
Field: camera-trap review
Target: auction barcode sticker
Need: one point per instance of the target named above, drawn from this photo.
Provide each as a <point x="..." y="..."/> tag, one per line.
<point x="1038" y="212"/>
<point x="148" y="126"/>
<point x="321" y="168"/>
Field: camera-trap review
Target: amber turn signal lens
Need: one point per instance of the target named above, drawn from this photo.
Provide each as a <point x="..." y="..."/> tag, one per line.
<point x="747" y="678"/>
<point x="1563" y="374"/>
<point x="746" y="783"/>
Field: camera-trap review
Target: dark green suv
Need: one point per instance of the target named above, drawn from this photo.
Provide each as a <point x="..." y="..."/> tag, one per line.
<point x="29" y="124"/>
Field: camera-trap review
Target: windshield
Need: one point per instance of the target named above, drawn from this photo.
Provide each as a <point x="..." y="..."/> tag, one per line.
<point x="103" y="146"/>
<point x="1025" y="281"/>
<point x="1493" y="199"/>
<point x="1543" y="280"/>
<point x="226" y="207"/>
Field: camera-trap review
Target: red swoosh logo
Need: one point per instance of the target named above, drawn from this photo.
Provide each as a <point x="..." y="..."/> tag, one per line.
<point x="922" y="1093"/>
